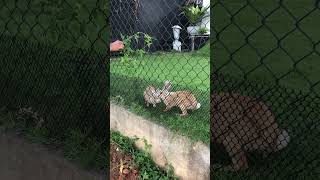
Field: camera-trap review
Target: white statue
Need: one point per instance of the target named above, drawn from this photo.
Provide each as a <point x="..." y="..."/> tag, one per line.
<point x="176" y="34"/>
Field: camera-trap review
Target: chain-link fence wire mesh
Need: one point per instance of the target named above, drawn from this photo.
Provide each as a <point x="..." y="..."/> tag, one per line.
<point x="265" y="99"/>
<point x="148" y="59"/>
<point x="53" y="60"/>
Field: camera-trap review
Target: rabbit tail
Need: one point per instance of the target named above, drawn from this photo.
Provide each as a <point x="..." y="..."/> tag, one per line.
<point x="283" y="140"/>
<point x="198" y="106"/>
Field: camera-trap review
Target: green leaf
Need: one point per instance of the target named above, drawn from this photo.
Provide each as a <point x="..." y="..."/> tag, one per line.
<point x="195" y="14"/>
<point x="140" y="52"/>
<point x="145" y="175"/>
<point x="122" y="37"/>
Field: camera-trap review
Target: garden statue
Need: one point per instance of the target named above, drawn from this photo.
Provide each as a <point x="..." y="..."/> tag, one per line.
<point x="176" y="34"/>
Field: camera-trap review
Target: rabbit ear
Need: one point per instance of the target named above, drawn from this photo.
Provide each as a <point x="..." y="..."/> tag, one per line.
<point x="167" y="85"/>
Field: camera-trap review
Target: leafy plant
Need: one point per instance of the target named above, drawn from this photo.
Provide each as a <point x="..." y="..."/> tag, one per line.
<point x="147" y="168"/>
<point x="195" y="13"/>
<point x="128" y="41"/>
<point x="203" y="30"/>
<point x="83" y="149"/>
<point x="117" y="99"/>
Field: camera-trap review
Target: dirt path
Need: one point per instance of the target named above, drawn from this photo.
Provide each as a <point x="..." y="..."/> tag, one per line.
<point x="22" y="160"/>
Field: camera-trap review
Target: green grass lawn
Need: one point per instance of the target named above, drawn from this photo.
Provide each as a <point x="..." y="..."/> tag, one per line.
<point x="26" y="20"/>
<point x="279" y="61"/>
<point x="187" y="71"/>
<point x="277" y="51"/>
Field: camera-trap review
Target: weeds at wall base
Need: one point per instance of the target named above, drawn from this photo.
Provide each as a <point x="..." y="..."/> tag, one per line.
<point x="148" y="169"/>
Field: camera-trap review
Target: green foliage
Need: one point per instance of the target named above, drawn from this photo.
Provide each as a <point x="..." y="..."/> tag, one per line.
<point x="203" y="30"/>
<point x="128" y="41"/>
<point x="117" y="99"/>
<point x="83" y="149"/>
<point x="40" y="135"/>
<point x="147" y="168"/>
<point x="195" y="13"/>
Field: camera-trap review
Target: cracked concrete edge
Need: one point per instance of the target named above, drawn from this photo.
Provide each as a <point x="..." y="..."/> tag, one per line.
<point x="191" y="161"/>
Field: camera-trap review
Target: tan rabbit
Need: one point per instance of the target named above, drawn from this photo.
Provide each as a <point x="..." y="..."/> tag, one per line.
<point x="182" y="99"/>
<point x="243" y="124"/>
<point x="151" y="96"/>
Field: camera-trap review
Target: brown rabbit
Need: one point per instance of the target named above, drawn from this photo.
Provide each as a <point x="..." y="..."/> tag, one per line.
<point x="243" y="124"/>
<point x="152" y="96"/>
<point x="183" y="99"/>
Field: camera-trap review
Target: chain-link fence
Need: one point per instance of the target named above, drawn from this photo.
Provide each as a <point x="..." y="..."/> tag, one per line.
<point x="53" y="69"/>
<point x="265" y="103"/>
<point x="166" y="43"/>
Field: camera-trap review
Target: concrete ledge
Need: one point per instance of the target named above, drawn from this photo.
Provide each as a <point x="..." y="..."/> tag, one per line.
<point x="191" y="161"/>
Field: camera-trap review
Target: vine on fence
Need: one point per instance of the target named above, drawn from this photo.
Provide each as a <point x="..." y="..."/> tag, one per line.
<point x="129" y="52"/>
